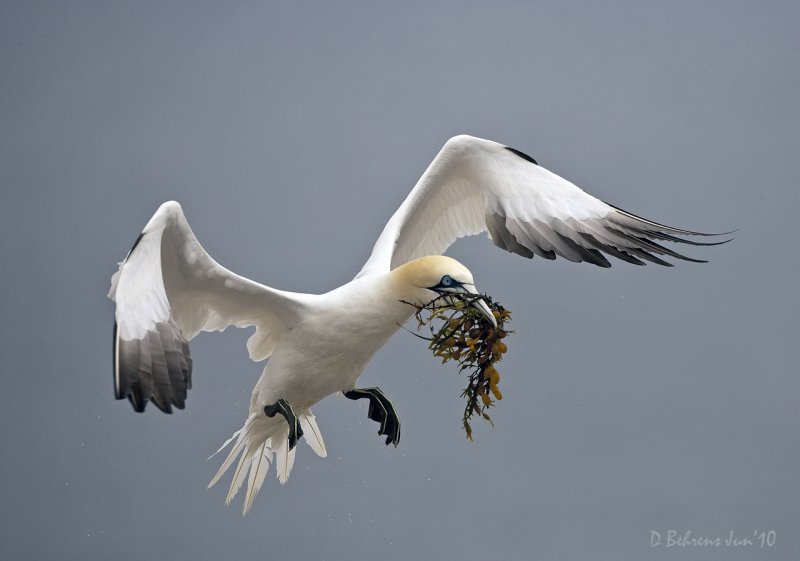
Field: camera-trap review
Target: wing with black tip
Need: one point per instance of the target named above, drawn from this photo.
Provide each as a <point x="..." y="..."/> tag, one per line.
<point x="167" y="290"/>
<point x="475" y="185"/>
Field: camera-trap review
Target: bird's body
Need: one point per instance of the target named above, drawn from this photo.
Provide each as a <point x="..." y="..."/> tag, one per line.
<point x="168" y="289"/>
<point x="318" y="357"/>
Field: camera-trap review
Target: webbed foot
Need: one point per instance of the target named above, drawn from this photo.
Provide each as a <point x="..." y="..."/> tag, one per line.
<point x="282" y="406"/>
<point x="381" y="410"/>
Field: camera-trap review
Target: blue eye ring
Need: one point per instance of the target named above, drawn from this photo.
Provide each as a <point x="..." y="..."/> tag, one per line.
<point x="446" y="284"/>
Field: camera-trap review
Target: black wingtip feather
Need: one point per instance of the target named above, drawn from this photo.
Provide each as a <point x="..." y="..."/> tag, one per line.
<point x="135" y="397"/>
<point x="618" y="253"/>
<point x="141" y="235"/>
<point x="675" y="239"/>
<point x="141" y="378"/>
<point x="115" y="342"/>
<point x="679" y="231"/>
<point x="522" y="155"/>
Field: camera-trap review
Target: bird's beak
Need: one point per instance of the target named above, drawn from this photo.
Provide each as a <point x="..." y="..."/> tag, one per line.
<point x="481" y="306"/>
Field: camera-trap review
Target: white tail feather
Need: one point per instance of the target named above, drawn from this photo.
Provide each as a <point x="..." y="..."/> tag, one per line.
<point x="261" y="473"/>
<point x="254" y="446"/>
<point x="238" y="477"/>
<point x="282" y="454"/>
<point x="312" y="435"/>
<point x="258" y="472"/>
<point x="221" y="448"/>
<point x="235" y="451"/>
<point x="255" y="463"/>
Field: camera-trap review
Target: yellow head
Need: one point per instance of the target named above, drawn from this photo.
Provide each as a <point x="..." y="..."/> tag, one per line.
<point x="429" y="272"/>
<point x="421" y="280"/>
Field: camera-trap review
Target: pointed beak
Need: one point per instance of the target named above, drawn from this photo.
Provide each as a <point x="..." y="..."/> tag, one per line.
<point x="481" y="306"/>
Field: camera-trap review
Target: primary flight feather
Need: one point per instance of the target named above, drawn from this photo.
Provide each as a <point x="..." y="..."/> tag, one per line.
<point x="168" y="289"/>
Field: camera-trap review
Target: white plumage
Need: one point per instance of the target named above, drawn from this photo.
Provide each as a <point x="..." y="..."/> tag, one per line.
<point x="168" y="289"/>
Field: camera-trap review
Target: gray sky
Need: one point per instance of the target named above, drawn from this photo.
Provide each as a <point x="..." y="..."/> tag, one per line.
<point x="637" y="399"/>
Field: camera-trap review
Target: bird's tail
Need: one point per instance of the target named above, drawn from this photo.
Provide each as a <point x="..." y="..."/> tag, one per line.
<point x="257" y="444"/>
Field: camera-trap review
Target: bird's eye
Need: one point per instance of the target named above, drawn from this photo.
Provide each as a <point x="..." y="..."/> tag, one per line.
<point x="446" y="284"/>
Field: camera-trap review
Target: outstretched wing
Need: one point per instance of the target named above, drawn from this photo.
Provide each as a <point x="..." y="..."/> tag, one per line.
<point x="475" y="185"/>
<point x="167" y="290"/>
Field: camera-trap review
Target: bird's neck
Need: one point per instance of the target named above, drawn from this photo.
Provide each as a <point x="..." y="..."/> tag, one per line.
<point x="374" y="302"/>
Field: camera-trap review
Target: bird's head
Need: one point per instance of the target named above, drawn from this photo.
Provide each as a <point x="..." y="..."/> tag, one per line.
<point x="426" y="278"/>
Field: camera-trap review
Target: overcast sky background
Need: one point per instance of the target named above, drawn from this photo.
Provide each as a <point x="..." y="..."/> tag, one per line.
<point x="637" y="398"/>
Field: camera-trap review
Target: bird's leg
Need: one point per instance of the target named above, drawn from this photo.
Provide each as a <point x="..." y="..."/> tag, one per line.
<point x="282" y="406"/>
<point x="381" y="410"/>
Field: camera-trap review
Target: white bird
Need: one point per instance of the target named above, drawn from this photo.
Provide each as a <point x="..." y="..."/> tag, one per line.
<point x="168" y="289"/>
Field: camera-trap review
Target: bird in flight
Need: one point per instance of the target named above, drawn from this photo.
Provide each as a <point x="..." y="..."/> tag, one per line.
<point x="168" y="289"/>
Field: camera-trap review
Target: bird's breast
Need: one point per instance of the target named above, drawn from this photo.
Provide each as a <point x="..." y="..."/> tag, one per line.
<point x="328" y="350"/>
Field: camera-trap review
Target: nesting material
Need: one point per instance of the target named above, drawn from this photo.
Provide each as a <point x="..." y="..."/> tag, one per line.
<point x="460" y="332"/>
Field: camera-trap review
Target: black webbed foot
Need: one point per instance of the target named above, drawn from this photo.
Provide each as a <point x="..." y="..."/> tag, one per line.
<point x="381" y="410"/>
<point x="282" y="406"/>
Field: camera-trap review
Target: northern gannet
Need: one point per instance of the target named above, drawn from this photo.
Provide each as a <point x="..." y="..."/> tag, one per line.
<point x="168" y="289"/>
